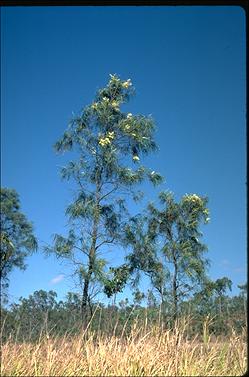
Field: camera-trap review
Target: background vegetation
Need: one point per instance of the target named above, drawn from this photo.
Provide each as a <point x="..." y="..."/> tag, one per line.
<point x="44" y="337"/>
<point x="42" y="313"/>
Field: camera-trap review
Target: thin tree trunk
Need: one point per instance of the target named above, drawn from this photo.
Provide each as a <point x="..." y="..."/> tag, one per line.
<point x="220" y="307"/>
<point x="85" y="294"/>
<point x="245" y="309"/>
<point x="85" y="297"/>
<point x="174" y="289"/>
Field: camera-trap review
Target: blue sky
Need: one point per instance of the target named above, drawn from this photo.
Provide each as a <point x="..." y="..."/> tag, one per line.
<point x="188" y="67"/>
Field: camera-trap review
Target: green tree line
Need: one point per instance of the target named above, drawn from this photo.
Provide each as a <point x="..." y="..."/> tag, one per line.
<point x="41" y="314"/>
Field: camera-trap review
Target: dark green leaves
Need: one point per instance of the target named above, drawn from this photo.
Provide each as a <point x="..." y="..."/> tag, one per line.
<point x="17" y="238"/>
<point x="155" y="178"/>
<point x="118" y="281"/>
<point x="82" y="207"/>
<point x="66" y="143"/>
<point x="221" y="285"/>
<point x="166" y="245"/>
<point x="63" y="247"/>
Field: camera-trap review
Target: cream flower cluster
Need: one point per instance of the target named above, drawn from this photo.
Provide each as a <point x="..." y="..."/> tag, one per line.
<point x="115" y="104"/>
<point x="114" y="78"/>
<point x="206" y="212"/>
<point x="105" y="100"/>
<point x="103" y="141"/>
<point x="127" y="84"/>
<point x="127" y="126"/>
<point x="94" y="106"/>
<point x="192" y="198"/>
<point x="135" y="158"/>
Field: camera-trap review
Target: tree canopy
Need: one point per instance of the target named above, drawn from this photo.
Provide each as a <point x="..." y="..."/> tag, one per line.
<point x="166" y="245"/>
<point x="17" y="236"/>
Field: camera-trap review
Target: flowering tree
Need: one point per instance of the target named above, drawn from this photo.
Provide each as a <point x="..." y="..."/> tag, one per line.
<point x="110" y="146"/>
<point x="166" y="246"/>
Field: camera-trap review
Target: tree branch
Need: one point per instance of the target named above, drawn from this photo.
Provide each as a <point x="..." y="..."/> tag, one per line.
<point x="104" y="242"/>
<point x="108" y="193"/>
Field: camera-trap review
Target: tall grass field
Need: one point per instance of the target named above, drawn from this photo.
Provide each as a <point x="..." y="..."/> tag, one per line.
<point x="144" y="352"/>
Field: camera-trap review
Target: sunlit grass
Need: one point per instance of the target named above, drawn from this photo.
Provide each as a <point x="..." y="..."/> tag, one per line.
<point x="144" y="352"/>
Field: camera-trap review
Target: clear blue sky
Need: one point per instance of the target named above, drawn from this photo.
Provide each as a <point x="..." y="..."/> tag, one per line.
<point x="188" y="67"/>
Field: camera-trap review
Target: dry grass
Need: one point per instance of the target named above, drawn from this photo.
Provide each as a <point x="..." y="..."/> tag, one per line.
<point x="143" y="353"/>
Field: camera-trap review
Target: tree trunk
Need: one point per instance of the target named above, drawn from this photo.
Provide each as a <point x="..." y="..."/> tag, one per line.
<point x="174" y="289"/>
<point x="220" y="306"/>
<point x="85" y="294"/>
<point x="85" y="297"/>
<point x="245" y="309"/>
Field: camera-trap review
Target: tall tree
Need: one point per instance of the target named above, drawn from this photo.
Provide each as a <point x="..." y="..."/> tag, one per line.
<point x="166" y="246"/>
<point x="109" y="144"/>
<point x="17" y="238"/>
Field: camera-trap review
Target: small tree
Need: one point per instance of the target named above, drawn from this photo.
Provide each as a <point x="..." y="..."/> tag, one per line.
<point x="243" y="289"/>
<point x="110" y="145"/>
<point x="166" y="245"/>
<point x="220" y="287"/>
<point x="17" y="238"/>
<point x="144" y="256"/>
<point x="33" y="314"/>
<point x="211" y="301"/>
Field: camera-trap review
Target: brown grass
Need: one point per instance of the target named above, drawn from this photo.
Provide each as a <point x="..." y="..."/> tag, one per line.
<point x="143" y="353"/>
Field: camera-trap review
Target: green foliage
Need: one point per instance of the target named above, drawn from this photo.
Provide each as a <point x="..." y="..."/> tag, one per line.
<point x="17" y="238"/>
<point x="243" y="289"/>
<point x="166" y="246"/>
<point x="118" y="281"/>
<point x="104" y="136"/>
<point x="42" y="314"/>
<point x="221" y="285"/>
<point x="109" y="145"/>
